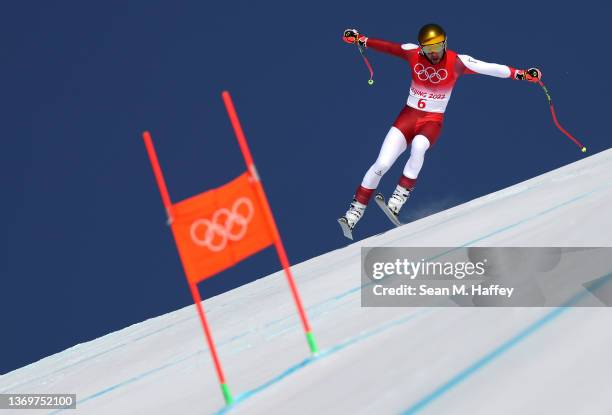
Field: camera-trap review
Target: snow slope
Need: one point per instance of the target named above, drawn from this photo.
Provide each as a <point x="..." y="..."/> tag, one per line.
<point x="373" y="360"/>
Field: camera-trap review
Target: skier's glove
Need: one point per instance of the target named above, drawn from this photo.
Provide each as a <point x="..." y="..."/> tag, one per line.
<point x="531" y="75"/>
<point x="352" y="36"/>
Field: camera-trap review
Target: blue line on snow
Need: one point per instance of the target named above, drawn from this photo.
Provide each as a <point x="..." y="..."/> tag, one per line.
<point x="131" y="380"/>
<point x="357" y="289"/>
<point x="328" y="352"/>
<point x="13" y="387"/>
<point x="92" y="357"/>
<point x="500" y="350"/>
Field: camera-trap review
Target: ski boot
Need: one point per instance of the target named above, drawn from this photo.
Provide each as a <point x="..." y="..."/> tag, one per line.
<point x="398" y="198"/>
<point x="351" y="217"/>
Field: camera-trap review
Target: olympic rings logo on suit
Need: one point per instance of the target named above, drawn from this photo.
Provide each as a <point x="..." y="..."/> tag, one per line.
<point x="434" y="76"/>
<point x="222" y="223"/>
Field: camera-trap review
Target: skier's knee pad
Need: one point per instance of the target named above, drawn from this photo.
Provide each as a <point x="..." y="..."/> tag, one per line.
<point x="420" y="144"/>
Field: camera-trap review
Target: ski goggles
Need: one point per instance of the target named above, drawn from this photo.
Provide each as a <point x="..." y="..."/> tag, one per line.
<point x="435" y="48"/>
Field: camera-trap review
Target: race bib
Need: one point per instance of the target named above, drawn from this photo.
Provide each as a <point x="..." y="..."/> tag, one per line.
<point x="428" y="100"/>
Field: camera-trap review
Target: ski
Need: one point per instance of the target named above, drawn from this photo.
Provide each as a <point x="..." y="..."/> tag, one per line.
<point x="346" y="229"/>
<point x="380" y="201"/>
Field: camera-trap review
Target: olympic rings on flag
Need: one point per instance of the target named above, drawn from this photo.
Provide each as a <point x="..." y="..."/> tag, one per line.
<point x="222" y="225"/>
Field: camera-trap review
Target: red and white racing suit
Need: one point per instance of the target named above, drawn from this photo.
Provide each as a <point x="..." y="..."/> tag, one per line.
<point x="420" y="121"/>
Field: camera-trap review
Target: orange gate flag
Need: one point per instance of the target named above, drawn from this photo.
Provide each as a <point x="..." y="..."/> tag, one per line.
<point x="219" y="228"/>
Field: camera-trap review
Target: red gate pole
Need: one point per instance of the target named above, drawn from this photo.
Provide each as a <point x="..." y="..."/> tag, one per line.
<point x="195" y="293"/>
<point x="278" y="243"/>
<point x="159" y="177"/>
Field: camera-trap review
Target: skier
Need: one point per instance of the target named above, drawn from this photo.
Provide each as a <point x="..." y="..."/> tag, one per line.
<point x="434" y="71"/>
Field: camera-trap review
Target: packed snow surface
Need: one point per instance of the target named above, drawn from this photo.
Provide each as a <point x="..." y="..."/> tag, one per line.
<point x="372" y="360"/>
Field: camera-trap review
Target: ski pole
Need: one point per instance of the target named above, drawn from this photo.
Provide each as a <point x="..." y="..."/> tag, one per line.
<point x="554" y="116"/>
<point x="367" y="62"/>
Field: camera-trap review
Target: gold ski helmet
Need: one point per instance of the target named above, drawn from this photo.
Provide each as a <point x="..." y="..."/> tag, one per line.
<point x="431" y="34"/>
<point x="432" y="40"/>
